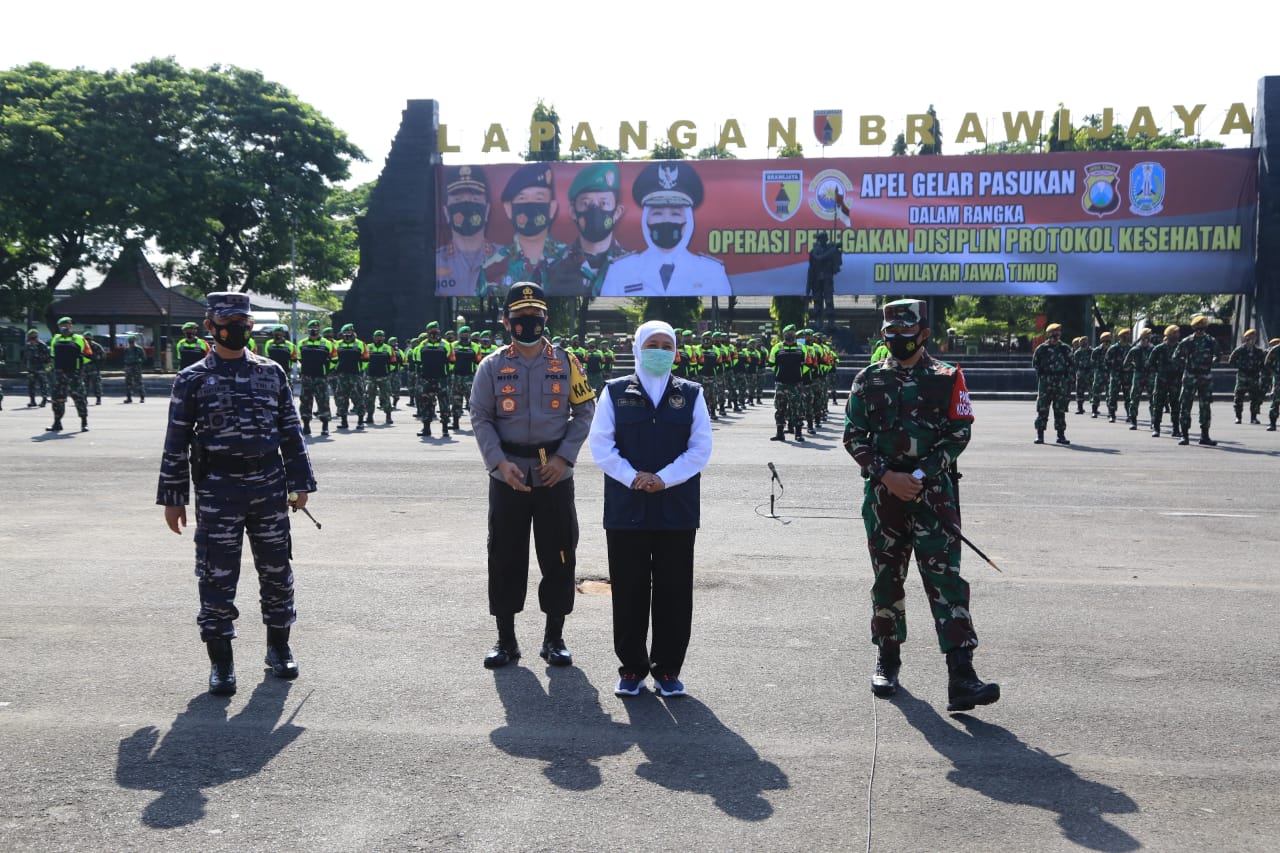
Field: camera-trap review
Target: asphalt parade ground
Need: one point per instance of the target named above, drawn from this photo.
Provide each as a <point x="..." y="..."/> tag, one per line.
<point x="1133" y="631"/>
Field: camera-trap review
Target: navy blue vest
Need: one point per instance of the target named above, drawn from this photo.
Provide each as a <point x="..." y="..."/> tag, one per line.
<point x="650" y="440"/>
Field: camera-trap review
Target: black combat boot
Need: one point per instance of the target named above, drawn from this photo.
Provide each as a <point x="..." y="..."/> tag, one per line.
<point x="506" y="650"/>
<point x="306" y="426"/>
<point x="964" y="688"/>
<point x="1039" y="437"/>
<point x="386" y="419"/>
<point x="57" y="425"/>
<point x="1095" y="411"/>
<point x="782" y="436"/>
<point x="1204" y="438"/>
<point x="1253" y="418"/>
<point x="142" y="398"/>
<point x="1133" y="423"/>
<point x="359" y="422"/>
<point x="99" y="401"/>
<point x="279" y="655"/>
<point x="426" y="429"/>
<point x="456" y="420"/>
<point x="33" y="402"/>
<point x="444" y="429"/>
<point x="1062" y="437"/>
<point x="1238" y="414"/>
<point x="342" y="424"/>
<point x="128" y="399"/>
<point x="324" y="427"/>
<point x="222" y="672"/>
<point x="884" y="681"/>
<point x="84" y="424"/>
<point x="799" y="433"/>
<point x="1272" y="428"/>
<point x="1155" y="430"/>
<point x="44" y="402"/>
<point x="554" y="651"/>
<point x="811" y="429"/>
<point x="1111" y="417"/>
<point x="1185" y="439"/>
<point x="1080" y="408"/>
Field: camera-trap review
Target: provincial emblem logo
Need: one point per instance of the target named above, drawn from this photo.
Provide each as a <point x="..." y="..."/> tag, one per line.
<point x="827" y="191"/>
<point x="1100" y="196"/>
<point x="1146" y="189"/>
<point x="827" y="125"/>
<point x="781" y="193"/>
<point x="676" y="401"/>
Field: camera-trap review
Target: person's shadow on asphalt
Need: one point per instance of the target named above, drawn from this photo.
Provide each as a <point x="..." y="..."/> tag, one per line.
<point x="537" y="722"/>
<point x="992" y="760"/>
<point x="204" y="749"/>
<point x="689" y="749"/>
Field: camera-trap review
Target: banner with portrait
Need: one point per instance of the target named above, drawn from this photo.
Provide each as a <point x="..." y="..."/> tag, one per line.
<point x="1163" y="221"/>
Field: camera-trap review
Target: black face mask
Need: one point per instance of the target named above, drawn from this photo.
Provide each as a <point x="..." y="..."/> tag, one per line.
<point x="527" y="330"/>
<point x="314" y="333"/>
<point x="190" y="335"/>
<point x="666" y="235"/>
<point x="789" y="339"/>
<point x="64" y="330"/>
<point x="233" y="336"/>
<point x="595" y="223"/>
<point x="348" y="336"/>
<point x="466" y="217"/>
<point x="531" y="217"/>
<point x="903" y="347"/>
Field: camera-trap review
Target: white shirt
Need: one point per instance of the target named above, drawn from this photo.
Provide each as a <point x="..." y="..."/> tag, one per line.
<point x="604" y="448"/>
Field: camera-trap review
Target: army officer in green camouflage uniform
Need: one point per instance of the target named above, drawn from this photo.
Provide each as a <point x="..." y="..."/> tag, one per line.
<point x="1052" y="361"/>
<point x="907" y="420"/>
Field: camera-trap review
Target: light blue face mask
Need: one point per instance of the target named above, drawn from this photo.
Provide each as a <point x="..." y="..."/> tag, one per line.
<point x="657" y="362"/>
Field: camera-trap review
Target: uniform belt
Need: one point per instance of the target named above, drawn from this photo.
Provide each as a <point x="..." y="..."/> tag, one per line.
<point x="225" y="463"/>
<point x="530" y="451"/>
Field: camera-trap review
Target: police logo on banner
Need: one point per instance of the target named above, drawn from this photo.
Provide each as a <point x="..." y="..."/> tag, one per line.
<point x="827" y="125"/>
<point x="1101" y="196"/>
<point x="826" y="191"/>
<point x="1146" y="189"/>
<point x="781" y="193"/>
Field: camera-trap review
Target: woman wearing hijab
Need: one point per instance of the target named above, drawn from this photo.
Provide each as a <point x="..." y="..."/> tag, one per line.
<point x="652" y="437"/>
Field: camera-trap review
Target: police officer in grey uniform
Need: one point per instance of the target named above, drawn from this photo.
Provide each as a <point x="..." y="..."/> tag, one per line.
<point x="531" y="410"/>
<point x="234" y="430"/>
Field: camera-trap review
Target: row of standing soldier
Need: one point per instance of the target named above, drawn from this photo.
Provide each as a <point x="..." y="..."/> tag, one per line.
<point x="1172" y="374"/>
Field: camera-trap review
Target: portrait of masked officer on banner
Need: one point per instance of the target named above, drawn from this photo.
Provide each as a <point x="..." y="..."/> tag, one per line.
<point x="460" y="263"/>
<point x="667" y="192"/>
<point x="594" y="198"/>
<point x="529" y="202"/>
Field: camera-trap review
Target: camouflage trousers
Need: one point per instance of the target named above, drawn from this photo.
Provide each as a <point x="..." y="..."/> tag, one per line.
<point x="460" y="387"/>
<point x="1274" y="412"/>
<point x="894" y="529"/>
<point x="1118" y="383"/>
<point x="315" y="392"/>
<point x="377" y="390"/>
<point x="596" y="380"/>
<point x="1100" y="380"/>
<point x="1052" y="391"/>
<point x="710" y="387"/>
<point x="788" y="406"/>
<point x="223" y="517"/>
<point x="1199" y="389"/>
<point x="68" y="382"/>
<point x="754" y="387"/>
<point x="37" y="382"/>
<point x="1143" y="383"/>
<point x="1084" y="384"/>
<point x="92" y="377"/>
<point x="1168" y="393"/>
<point x="133" y="382"/>
<point x="348" y="391"/>
<point x="433" y="392"/>
<point x="1248" y="388"/>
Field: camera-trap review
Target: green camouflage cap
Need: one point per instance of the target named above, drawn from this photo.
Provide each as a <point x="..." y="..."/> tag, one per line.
<point x="790" y="327"/>
<point x="904" y="312"/>
<point x="186" y="326"/>
<point x="379" y="334"/>
<point x="465" y="330"/>
<point x="314" y="324"/>
<point x="348" y="327"/>
<point x="62" y="320"/>
<point x="326" y="329"/>
<point x="598" y="177"/>
<point x="433" y="325"/>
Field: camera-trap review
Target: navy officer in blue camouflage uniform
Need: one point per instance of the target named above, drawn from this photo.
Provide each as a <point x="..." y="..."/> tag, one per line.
<point x="531" y="410"/>
<point x="234" y="430"/>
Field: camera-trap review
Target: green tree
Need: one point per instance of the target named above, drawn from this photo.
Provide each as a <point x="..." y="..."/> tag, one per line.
<point x="715" y="152"/>
<point x="791" y="151"/>
<point x="601" y="152"/>
<point x="682" y="312"/>
<point x="934" y="128"/>
<point x="548" y="150"/>
<point x="786" y="310"/>
<point x="664" y="150"/>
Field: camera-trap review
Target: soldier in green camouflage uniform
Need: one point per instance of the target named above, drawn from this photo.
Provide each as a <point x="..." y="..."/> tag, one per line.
<point x="315" y="359"/>
<point x="69" y="352"/>
<point x="1052" y="362"/>
<point x="91" y="373"/>
<point x="1117" y="376"/>
<point x="1247" y="360"/>
<point x="907" y="421"/>
<point x="1138" y="362"/>
<point x="788" y="361"/>
<point x="349" y="377"/>
<point x="135" y="357"/>
<point x="1168" y="376"/>
<point x="1197" y="356"/>
<point x="1082" y="370"/>
<point x="466" y="357"/>
<point x="35" y="362"/>
<point x="1271" y="369"/>
<point x="378" y="376"/>
<point x="1098" y="360"/>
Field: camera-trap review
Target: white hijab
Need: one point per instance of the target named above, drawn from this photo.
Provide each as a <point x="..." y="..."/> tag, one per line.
<point x="654" y="386"/>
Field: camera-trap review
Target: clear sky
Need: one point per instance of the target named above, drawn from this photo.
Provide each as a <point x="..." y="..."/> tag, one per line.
<point x="489" y="62"/>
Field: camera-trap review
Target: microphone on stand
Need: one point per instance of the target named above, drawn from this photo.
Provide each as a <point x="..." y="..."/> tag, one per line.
<point x="774" y="472"/>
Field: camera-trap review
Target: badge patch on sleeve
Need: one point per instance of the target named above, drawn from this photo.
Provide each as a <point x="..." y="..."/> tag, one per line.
<point x="580" y="390"/>
<point x="508" y="405"/>
<point x="961" y="409"/>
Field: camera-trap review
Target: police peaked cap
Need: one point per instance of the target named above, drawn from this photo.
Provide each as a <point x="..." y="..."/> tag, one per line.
<point x="668" y="183"/>
<point x="460" y="178"/>
<point x="534" y="175"/>
<point x="525" y="294"/>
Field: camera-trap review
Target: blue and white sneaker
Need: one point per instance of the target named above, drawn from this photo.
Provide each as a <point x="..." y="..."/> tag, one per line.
<point x="668" y="685"/>
<point x="629" y="684"/>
